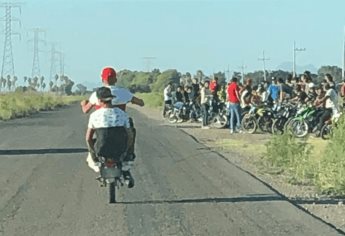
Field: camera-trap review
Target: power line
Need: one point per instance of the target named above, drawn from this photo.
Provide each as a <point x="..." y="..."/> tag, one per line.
<point x="36" y="72"/>
<point x="8" y="62"/>
<point x="264" y="59"/>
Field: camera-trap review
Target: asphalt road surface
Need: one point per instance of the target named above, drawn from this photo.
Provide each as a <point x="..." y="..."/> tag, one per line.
<point x="182" y="188"/>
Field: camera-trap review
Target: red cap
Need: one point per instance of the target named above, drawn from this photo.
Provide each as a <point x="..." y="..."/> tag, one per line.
<point x="108" y="72"/>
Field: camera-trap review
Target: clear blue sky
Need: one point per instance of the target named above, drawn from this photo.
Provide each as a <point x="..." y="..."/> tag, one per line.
<point x="186" y="35"/>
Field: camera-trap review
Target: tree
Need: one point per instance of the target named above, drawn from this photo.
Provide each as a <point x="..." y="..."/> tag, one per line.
<point x="335" y="71"/>
<point x="164" y="78"/>
<point x="81" y="89"/>
<point x="51" y="84"/>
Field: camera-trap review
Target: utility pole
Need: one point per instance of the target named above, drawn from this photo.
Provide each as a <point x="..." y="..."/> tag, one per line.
<point x="264" y="59"/>
<point x="295" y="50"/>
<point x="228" y="73"/>
<point x="243" y="67"/>
<point x="7" y="62"/>
<point x="343" y="67"/>
<point x="36" y="72"/>
<point x="148" y="62"/>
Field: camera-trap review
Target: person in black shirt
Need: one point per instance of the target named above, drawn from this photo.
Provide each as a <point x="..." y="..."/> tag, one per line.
<point x="301" y="96"/>
<point x="179" y="94"/>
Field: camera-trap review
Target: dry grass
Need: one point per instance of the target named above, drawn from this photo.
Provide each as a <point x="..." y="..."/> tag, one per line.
<point x="17" y="104"/>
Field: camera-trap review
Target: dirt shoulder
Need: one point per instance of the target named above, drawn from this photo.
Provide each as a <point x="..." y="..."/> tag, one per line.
<point x="245" y="151"/>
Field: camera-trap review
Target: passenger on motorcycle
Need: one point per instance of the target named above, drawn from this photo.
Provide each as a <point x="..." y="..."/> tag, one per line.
<point x="122" y="97"/>
<point x="110" y="124"/>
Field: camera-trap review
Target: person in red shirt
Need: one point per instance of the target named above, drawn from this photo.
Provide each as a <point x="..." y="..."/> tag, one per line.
<point x="234" y="102"/>
<point x="214" y="88"/>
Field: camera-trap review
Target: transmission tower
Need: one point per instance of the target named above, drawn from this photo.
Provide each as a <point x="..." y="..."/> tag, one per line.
<point x="8" y="63"/>
<point x="148" y="63"/>
<point x="53" y="61"/>
<point x="36" y="72"/>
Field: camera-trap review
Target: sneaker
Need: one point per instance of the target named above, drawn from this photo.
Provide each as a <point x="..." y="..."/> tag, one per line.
<point x="239" y="131"/>
<point x="231" y="131"/>
<point x="128" y="179"/>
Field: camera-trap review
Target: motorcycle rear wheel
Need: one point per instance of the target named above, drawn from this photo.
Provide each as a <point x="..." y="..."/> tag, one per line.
<point x="112" y="192"/>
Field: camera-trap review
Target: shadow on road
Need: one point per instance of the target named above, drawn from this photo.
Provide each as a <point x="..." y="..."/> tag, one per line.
<point x="43" y="151"/>
<point x="248" y="198"/>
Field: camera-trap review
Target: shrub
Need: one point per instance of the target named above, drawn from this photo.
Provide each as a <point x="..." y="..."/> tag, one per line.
<point x="331" y="174"/>
<point x="287" y="154"/>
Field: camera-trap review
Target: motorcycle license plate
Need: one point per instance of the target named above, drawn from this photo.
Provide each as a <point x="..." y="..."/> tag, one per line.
<point x="110" y="172"/>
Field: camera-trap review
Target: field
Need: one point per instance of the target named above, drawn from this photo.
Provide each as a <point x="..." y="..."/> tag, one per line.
<point x="18" y="104"/>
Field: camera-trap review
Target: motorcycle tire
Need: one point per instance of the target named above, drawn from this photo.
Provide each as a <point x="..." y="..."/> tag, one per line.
<point x="112" y="192"/>
<point x="278" y="126"/>
<point x="249" y="124"/>
<point x="299" y="128"/>
<point x="219" y="121"/>
<point x="326" y="132"/>
<point x="172" y="119"/>
<point x="265" y="124"/>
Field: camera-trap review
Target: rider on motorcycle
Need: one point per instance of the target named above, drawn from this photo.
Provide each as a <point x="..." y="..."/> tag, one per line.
<point x="110" y="125"/>
<point x="122" y="97"/>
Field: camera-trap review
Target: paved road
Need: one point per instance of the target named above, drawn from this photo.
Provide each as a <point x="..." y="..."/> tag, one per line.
<point x="181" y="187"/>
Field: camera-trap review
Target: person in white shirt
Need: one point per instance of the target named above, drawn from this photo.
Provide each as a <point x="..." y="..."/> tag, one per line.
<point x="167" y="97"/>
<point x="331" y="105"/>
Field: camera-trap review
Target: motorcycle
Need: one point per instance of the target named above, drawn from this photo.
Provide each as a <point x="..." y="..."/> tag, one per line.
<point x="217" y="117"/>
<point x="304" y="121"/>
<point x="282" y="117"/>
<point x="258" y="117"/>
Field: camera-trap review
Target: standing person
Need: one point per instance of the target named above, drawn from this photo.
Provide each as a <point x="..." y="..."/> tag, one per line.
<point x="179" y="94"/>
<point x="246" y="93"/>
<point x="195" y="89"/>
<point x="274" y="91"/>
<point x="234" y="102"/>
<point x="122" y="96"/>
<point x="206" y="96"/>
<point x="167" y="97"/>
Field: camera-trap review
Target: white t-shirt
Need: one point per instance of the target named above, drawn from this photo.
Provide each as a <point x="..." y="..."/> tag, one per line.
<point x="332" y="101"/>
<point x="167" y="94"/>
<point x="108" y="117"/>
<point x="123" y="96"/>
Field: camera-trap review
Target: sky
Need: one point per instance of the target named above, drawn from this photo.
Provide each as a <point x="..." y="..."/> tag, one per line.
<point x="211" y="35"/>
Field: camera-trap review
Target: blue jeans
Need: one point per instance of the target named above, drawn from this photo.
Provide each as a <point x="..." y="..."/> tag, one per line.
<point x="235" y="110"/>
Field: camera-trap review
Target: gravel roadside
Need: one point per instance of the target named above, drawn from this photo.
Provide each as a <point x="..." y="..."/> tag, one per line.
<point x="329" y="210"/>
